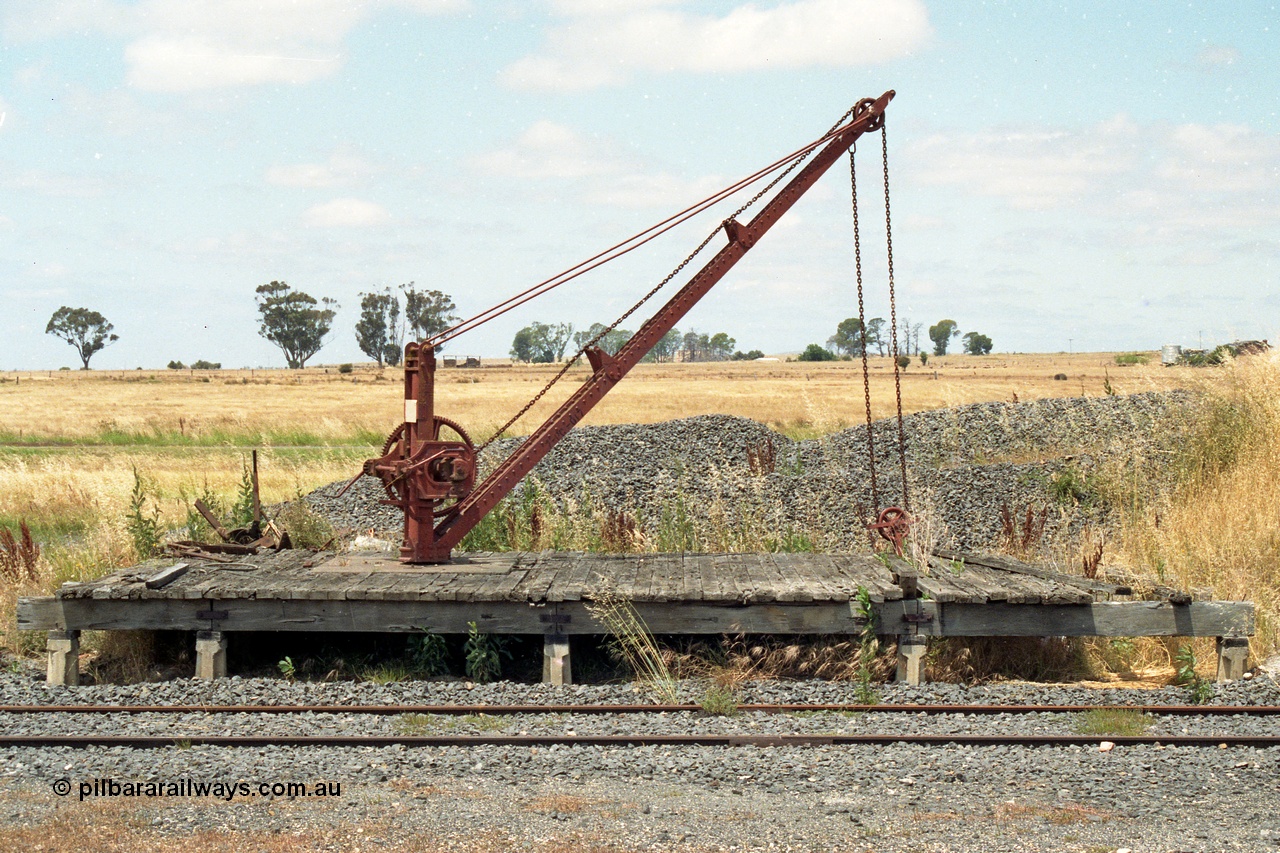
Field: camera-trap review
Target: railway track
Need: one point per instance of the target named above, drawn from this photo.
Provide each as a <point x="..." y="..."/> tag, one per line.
<point x="787" y="725"/>
<point x="508" y="710"/>
<point x="781" y="740"/>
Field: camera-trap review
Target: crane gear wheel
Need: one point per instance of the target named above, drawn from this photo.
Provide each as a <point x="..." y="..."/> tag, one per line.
<point x="394" y="445"/>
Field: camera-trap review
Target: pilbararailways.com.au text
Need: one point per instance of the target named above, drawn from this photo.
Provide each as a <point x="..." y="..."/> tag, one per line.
<point x="185" y="787"/>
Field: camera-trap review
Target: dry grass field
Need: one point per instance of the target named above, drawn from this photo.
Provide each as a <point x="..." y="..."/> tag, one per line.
<point x="76" y="448"/>
<point x="322" y="406"/>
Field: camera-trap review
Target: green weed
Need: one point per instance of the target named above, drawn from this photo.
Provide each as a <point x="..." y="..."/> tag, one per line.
<point x="484" y="654"/>
<point x="429" y="655"/>
<point x="142" y="519"/>
<point x="1199" y="690"/>
<point x="1113" y="721"/>
<point x="719" y="702"/>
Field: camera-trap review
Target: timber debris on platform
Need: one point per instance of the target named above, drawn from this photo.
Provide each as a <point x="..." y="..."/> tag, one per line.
<point x="543" y="593"/>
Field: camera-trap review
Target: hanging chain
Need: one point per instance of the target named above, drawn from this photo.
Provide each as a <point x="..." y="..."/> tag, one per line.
<point x="862" y="321"/>
<point x="578" y="356"/>
<point x="893" y="314"/>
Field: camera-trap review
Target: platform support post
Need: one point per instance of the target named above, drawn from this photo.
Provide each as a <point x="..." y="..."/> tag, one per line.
<point x="911" y="649"/>
<point x="1233" y="653"/>
<point x="556" y="668"/>
<point x="211" y="655"/>
<point x="63" y="648"/>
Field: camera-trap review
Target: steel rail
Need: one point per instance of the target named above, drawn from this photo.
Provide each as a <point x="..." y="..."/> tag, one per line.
<point x="511" y="710"/>
<point x="775" y="740"/>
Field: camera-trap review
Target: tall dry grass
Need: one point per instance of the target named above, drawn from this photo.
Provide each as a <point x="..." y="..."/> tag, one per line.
<point x="1219" y="525"/>
<point x="75" y="502"/>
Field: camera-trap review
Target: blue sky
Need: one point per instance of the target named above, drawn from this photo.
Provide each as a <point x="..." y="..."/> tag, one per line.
<point x="1096" y="175"/>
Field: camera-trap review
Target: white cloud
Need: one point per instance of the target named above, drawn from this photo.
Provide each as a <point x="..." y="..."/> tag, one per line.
<point x="1217" y="57"/>
<point x="604" y="172"/>
<point x="184" y="46"/>
<point x="660" y="190"/>
<point x="1143" y="186"/>
<point x="345" y="213"/>
<point x="603" y="44"/>
<point x="549" y="150"/>
<point x="1227" y="158"/>
<point x="56" y="184"/>
<point x="53" y="269"/>
<point x="183" y="64"/>
<point x="1030" y="168"/>
<point x="343" y="168"/>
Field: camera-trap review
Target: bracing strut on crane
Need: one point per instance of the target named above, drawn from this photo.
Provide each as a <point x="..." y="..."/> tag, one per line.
<point x="428" y="463"/>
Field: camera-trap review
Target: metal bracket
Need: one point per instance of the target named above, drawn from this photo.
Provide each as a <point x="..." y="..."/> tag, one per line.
<point x="917" y="618"/>
<point x="738" y="233"/>
<point x="555" y="618"/>
<point x="212" y="615"/>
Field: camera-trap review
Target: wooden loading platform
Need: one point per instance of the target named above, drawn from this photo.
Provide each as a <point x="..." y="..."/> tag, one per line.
<point x="544" y="593"/>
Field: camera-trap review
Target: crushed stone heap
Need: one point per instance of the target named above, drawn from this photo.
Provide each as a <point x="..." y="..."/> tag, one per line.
<point x="963" y="465"/>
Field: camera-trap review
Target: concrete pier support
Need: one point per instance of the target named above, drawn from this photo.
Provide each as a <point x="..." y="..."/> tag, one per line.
<point x="911" y="649"/>
<point x="556" y="668"/>
<point x="1233" y="653"/>
<point x="64" y="658"/>
<point x="211" y="655"/>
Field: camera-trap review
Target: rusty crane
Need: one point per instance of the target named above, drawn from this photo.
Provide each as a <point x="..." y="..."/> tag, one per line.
<point x="428" y="465"/>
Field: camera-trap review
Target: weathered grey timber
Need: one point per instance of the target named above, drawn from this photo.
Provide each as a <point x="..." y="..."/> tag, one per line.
<point x="546" y="593"/>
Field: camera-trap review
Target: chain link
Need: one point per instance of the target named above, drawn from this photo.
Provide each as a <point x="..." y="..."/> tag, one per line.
<point x="893" y="313"/>
<point x="578" y="356"/>
<point x="862" y="320"/>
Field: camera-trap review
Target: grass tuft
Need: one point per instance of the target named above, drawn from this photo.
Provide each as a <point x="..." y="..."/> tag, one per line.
<point x="634" y="643"/>
<point x="1113" y="721"/>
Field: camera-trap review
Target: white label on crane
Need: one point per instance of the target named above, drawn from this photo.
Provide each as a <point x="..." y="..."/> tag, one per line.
<point x="411" y="411"/>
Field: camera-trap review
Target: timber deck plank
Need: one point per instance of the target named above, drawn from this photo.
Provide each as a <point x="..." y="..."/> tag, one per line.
<point x="855" y="570"/>
<point x="796" y="587"/>
<point x="542" y="568"/>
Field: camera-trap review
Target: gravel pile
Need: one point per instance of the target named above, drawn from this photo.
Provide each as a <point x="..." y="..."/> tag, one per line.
<point x="884" y="798"/>
<point x="731" y="473"/>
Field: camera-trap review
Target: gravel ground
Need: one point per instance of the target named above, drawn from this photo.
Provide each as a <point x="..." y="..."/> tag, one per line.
<point x="963" y="464"/>
<point x="884" y="798"/>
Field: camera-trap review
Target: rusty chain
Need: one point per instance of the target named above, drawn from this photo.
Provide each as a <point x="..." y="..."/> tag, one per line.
<point x="893" y="313"/>
<point x="862" y="319"/>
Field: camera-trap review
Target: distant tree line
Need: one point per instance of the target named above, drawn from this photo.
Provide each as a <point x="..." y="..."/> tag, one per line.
<point x="541" y="343"/>
<point x="851" y="338"/>
<point x="299" y="324"/>
<point x="195" y="365"/>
